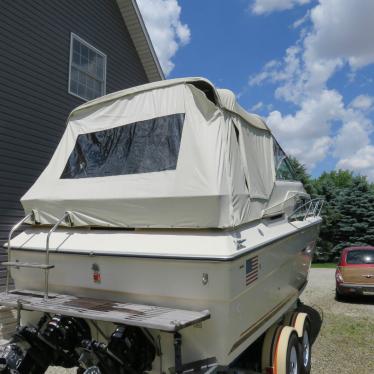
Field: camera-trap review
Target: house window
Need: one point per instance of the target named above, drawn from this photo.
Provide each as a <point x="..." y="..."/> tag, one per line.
<point x="87" y="70"/>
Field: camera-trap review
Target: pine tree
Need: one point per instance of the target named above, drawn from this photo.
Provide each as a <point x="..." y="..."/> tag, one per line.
<point x="348" y="214"/>
<point x="355" y="207"/>
<point x="301" y="174"/>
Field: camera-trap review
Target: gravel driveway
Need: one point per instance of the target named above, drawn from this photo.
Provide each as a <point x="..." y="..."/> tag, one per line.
<point x="345" y="340"/>
<point x="343" y="332"/>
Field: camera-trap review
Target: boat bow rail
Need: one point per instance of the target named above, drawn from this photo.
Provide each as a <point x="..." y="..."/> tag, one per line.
<point x="301" y="209"/>
<point x="311" y="208"/>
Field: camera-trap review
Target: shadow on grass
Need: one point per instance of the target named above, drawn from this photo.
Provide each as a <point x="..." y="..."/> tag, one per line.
<point x="316" y="320"/>
<point x="357" y="299"/>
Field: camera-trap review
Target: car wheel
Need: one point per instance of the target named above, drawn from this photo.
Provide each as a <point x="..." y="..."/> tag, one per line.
<point x="339" y="296"/>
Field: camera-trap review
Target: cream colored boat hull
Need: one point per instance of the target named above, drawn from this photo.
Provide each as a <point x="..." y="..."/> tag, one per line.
<point x="240" y="312"/>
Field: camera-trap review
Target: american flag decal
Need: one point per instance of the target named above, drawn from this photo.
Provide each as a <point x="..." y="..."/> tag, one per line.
<point x="251" y="270"/>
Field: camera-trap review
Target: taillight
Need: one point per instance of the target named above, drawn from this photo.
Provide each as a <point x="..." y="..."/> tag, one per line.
<point x="338" y="276"/>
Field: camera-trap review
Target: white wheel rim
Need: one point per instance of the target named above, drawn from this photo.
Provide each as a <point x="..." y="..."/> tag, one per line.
<point x="306" y="348"/>
<point x="293" y="361"/>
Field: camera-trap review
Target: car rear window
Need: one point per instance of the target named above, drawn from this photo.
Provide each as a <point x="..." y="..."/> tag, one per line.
<point x="139" y="147"/>
<point x="360" y="257"/>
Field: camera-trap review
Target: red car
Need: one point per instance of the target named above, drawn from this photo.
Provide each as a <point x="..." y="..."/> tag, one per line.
<point x="355" y="272"/>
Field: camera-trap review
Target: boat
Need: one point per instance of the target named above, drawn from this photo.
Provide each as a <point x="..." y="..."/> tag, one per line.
<point x="171" y="204"/>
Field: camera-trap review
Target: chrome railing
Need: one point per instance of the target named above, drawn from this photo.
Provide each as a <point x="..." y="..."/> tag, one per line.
<point x="14" y="228"/>
<point x="50" y="232"/>
<point x="46" y="266"/>
<point x="283" y="205"/>
<point x="311" y="208"/>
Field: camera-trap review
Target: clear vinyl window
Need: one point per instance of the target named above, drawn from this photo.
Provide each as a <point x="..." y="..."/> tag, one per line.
<point x="139" y="147"/>
<point x="283" y="168"/>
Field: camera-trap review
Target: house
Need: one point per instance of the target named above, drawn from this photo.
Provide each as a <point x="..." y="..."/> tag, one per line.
<point x="55" y="55"/>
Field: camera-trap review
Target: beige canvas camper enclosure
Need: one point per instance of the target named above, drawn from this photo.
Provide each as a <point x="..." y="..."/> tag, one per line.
<point x="176" y="153"/>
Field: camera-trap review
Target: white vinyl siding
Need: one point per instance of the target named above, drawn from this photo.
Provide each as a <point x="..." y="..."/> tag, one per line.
<point x="87" y="70"/>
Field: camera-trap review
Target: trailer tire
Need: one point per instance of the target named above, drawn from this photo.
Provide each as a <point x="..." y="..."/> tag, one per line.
<point x="281" y="351"/>
<point x="303" y="323"/>
<point x="287" y="353"/>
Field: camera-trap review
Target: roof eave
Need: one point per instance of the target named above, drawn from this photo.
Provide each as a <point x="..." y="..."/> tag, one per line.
<point x="140" y="37"/>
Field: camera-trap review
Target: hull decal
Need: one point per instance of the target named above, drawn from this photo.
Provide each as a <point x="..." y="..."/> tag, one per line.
<point x="251" y="270"/>
<point x="250" y="330"/>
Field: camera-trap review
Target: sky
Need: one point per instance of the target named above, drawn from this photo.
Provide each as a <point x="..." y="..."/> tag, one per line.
<point x="305" y="66"/>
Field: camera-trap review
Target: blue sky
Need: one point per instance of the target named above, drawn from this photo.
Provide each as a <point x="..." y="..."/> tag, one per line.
<point x="305" y="66"/>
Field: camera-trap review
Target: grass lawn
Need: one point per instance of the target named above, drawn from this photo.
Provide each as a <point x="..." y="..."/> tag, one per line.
<point x="344" y="330"/>
<point x="326" y="265"/>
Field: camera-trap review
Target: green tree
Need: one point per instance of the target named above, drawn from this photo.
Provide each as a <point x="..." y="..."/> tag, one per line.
<point x="348" y="214"/>
<point x="355" y="223"/>
<point x="302" y="175"/>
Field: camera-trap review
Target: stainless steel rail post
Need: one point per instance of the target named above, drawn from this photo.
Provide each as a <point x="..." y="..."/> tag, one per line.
<point x="307" y="212"/>
<point x="53" y="229"/>
<point x="14" y="228"/>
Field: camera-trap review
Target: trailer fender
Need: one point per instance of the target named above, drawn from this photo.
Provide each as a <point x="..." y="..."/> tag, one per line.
<point x="299" y="322"/>
<point x="281" y="352"/>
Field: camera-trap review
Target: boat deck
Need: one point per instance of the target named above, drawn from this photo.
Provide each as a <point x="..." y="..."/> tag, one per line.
<point x="147" y="316"/>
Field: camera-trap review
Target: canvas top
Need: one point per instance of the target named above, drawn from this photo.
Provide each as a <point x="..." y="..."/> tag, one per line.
<point x="222" y="97"/>
<point x="176" y="153"/>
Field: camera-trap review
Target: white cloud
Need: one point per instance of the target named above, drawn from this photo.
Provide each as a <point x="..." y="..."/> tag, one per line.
<point x="342" y="29"/>
<point x="301" y="20"/>
<point x="306" y="134"/>
<point x="268" y="6"/>
<point x="297" y="78"/>
<point x="268" y="73"/>
<point x="257" y="106"/>
<point x="363" y="102"/>
<point x="340" y="34"/>
<point x="352" y="136"/>
<point x="361" y="162"/>
<point x="167" y="32"/>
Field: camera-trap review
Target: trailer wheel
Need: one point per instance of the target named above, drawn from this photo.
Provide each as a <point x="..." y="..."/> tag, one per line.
<point x="287" y="353"/>
<point x="303" y="329"/>
<point x="281" y="351"/>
